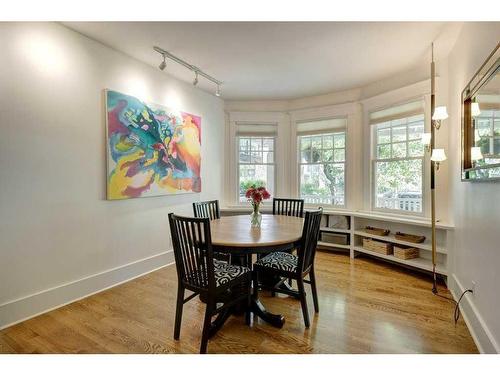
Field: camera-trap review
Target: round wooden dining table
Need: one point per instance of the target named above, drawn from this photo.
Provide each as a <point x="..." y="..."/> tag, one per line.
<point x="234" y="235"/>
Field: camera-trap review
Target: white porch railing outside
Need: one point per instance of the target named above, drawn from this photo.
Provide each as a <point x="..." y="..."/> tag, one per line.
<point x="406" y="204"/>
<point x="324" y="199"/>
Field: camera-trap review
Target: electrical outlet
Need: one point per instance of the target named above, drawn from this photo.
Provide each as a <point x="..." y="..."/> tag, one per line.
<point x="473" y="287"/>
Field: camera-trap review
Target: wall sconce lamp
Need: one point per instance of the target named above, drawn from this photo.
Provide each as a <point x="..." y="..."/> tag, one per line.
<point x="438" y="156"/>
<point x="440" y="114"/>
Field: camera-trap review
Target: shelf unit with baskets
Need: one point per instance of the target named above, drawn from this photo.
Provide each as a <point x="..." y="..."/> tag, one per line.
<point x="352" y="224"/>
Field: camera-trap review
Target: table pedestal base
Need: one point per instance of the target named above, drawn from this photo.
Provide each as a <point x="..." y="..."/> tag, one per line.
<point x="273" y="319"/>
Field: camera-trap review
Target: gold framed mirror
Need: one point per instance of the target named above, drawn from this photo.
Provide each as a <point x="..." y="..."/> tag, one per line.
<point x="481" y="122"/>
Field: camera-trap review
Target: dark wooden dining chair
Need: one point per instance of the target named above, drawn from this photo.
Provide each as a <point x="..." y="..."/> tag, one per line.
<point x="208" y="209"/>
<point x="198" y="272"/>
<point x="211" y="210"/>
<point x="295" y="267"/>
<point x="288" y="207"/>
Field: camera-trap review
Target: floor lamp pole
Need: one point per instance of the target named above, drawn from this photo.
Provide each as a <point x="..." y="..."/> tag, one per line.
<point x="433" y="177"/>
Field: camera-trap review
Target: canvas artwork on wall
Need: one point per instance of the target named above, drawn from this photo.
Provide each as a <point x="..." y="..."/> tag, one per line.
<point x="152" y="150"/>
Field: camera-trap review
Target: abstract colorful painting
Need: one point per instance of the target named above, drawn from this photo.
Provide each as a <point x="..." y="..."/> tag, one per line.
<point x="152" y="150"/>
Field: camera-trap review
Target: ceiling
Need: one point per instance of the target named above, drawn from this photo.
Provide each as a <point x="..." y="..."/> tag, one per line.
<point x="276" y="60"/>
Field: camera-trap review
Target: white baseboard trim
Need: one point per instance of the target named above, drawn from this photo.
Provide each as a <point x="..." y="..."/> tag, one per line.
<point x="18" y="310"/>
<point x="480" y="332"/>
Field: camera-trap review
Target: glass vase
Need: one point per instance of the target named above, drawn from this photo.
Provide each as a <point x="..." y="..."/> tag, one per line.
<point x="255" y="217"/>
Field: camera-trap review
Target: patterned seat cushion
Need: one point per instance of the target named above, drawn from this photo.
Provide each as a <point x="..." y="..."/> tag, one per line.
<point x="280" y="261"/>
<point x="225" y="272"/>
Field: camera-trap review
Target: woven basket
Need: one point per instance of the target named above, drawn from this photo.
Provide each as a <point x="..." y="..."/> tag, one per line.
<point x="377" y="231"/>
<point x="377" y="246"/>
<point x="404" y="252"/>
<point x="409" y="237"/>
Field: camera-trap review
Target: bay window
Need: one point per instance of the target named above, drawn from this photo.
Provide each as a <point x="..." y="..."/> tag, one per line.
<point x="398" y="158"/>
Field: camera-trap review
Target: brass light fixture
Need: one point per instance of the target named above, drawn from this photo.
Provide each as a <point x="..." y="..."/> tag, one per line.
<point x="438" y="114"/>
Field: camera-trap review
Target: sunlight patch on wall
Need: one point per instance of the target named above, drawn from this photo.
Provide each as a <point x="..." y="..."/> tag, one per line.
<point x="44" y="53"/>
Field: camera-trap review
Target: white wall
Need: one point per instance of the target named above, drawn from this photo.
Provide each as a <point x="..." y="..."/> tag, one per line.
<point x="57" y="231"/>
<point x="475" y="206"/>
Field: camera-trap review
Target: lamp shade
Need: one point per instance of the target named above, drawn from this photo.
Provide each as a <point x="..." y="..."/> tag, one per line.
<point x="474" y="109"/>
<point x="475" y="153"/>
<point x="440" y="113"/>
<point x="438" y="155"/>
<point x="426" y="139"/>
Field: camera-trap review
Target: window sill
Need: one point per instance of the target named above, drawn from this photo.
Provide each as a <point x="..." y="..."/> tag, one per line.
<point x="416" y="220"/>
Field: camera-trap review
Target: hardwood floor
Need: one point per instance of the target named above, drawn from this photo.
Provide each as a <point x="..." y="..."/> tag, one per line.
<point x="366" y="306"/>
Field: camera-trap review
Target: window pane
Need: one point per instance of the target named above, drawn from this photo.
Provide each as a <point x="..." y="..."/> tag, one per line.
<point x="328" y="141"/>
<point x="244" y="143"/>
<point x="399" y="133"/>
<point x="244" y="157"/>
<point x="384" y="135"/>
<point x="484" y="143"/>
<point x="305" y="143"/>
<point x="328" y="155"/>
<point x="305" y="156"/>
<point x="496" y="146"/>
<point x="415" y="131"/>
<point x="415" y="148"/>
<point x="256" y="144"/>
<point x="399" y="185"/>
<point x="256" y="157"/>
<point x="399" y="150"/>
<point x="496" y="126"/>
<point x="384" y="151"/>
<point x="339" y="154"/>
<point x="484" y="127"/>
<point x="322" y="183"/>
<point x="255" y="175"/>
<point x="339" y="140"/>
<point x="316" y="142"/>
<point x="268" y="144"/>
<point x="268" y="157"/>
<point x="315" y="156"/>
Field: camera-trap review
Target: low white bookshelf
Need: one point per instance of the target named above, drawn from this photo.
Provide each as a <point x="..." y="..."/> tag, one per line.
<point x="357" y="222"/>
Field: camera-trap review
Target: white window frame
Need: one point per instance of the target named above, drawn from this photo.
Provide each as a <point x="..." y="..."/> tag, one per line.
<point x="238" y="163"/>
<point x="352" y="113"/>
<point x="231" y="174"/>
<point x="332" y="131"/>
<point x="373" y="170"/>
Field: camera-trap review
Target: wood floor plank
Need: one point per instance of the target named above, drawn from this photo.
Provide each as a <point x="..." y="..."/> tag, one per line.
<point x="366" y="306"/>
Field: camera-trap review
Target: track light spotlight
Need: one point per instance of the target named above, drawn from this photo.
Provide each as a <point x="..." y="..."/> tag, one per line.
<point x="197" y="71"/>
<point x="163" y="64"/>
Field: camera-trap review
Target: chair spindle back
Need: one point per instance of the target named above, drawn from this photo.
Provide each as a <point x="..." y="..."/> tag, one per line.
<point x="192" y="243"/>
<point x="208" y="209"/>
<point x="288" y="207"/>
<point x="310" y="235"/>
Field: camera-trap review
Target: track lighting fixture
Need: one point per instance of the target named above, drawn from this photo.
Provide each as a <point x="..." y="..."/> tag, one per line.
<point x="197" y="71"/>
<point x="163" y="64"/>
